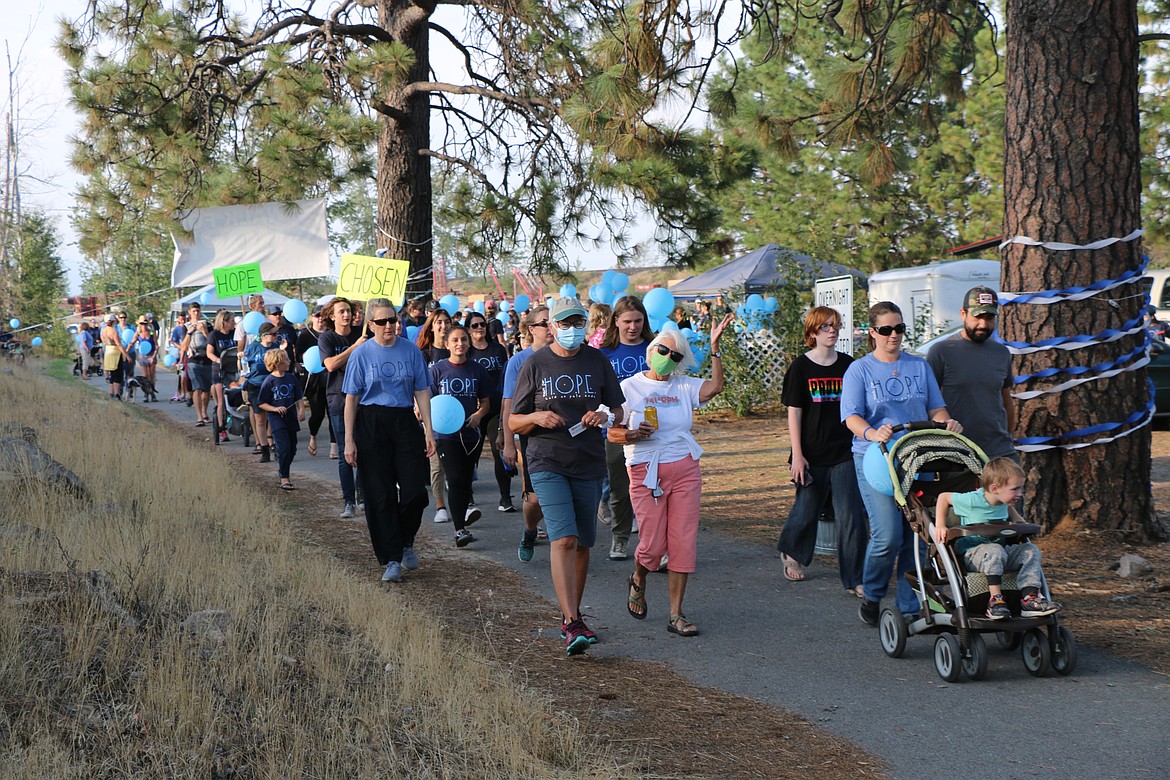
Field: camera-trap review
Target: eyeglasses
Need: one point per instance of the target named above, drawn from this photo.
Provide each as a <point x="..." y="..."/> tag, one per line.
<point x="477" y="325"/>
<point x="384" y="321"/>
<point x="541" y="324"/>
<point x="571" y="322"/>
<point x="829" y="327"/>
<point x="665" y="350"/>
<point x="886" y="330"/>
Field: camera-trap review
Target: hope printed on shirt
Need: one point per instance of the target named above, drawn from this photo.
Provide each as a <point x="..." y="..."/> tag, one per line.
<point x="897" y="388"/>
<point x="627" y="365"/>
<point x="490" y="363"/>
<point x="390" y="369"/>
<point x="568" y="386"/>
<point x="825" y="390"/>
<point x="282" y="392"/>
<point x="459" y="386"/>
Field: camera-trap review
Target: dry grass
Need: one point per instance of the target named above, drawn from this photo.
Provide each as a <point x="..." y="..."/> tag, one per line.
<point x="316" y="672"/>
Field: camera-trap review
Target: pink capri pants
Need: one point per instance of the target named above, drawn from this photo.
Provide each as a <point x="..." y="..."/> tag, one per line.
<point x="669" y="523"/>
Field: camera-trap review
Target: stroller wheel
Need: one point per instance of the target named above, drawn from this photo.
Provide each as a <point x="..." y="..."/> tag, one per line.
<point x="975" y="664"/>
<point x="947" y="661"/>
<point x="1008" y="640"/>
<point x="1064" y="650"/>
<point x="1036" y="653"/>
<point x="892" y="632"/>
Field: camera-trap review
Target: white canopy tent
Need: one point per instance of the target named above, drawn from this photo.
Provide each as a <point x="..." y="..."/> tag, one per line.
<point x="213" y="303"/>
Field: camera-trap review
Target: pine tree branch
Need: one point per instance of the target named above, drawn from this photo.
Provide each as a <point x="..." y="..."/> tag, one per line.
<point x="1153" y="37"/>
<point x="465" y="89"/>
<point x="466" y="55"/>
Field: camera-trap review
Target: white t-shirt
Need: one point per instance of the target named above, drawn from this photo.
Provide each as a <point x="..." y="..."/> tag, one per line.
<point x="675" y="398"/>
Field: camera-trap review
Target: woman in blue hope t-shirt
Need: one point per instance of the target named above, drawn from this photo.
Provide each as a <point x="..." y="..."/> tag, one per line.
<point x="883" y="389"/>
<point x="624" y="344"/>
<point x="385" y="378"/>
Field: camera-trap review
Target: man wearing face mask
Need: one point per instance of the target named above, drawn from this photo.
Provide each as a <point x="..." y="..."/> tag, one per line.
<point x="662" y="460"/>
<point x="562" y="400"/>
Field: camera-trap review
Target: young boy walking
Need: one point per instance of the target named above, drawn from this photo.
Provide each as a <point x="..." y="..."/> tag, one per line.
<point x="278" y="397"/>
<point x="1003" y="487"/>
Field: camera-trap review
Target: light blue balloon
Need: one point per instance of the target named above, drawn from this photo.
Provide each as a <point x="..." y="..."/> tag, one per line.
<point x="687" y="333"/>
<point x="502" y="316"/>
<point x="659" y="302"/>
<point x="127" y="337"/>
<point x="877" y="470"/>
<point x="603" y="294"/>
<point x="450" y="303"/>
<point x="656" y="324"/>
<point x="36" y="342"/>
<point x="619" y="282"/>
<point x="205" y="298"/>
<point x="145" y="348"/>
<point x="755" y="302"/>
<point x="478" y="307"/>
<point x="504" y="305"/>
<point x="607" y="279"/>
<point x="568" y="291"/>
<point x="447" y="415"/>
<point x="771" y="304"/>
<point x="522" y="303"/>
<point x="549" y="301"/>
<point x="668" y="324"/>
<point x="169" y="361"/>
<point x="173" y="351"/>
<point x="412" y="332"/>
<point x="296" y="312"/>
<point x="14" y="323"/>
<point x="312" y="360"/>
<point x="252" y="322"/>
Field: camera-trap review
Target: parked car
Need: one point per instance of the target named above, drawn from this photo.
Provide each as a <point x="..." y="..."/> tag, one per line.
<point x="1159" y="370"/>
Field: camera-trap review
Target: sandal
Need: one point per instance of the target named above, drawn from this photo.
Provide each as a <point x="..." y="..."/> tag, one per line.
<point x="287" y="486"/>
<point x="680" y="625"/>
<point x="793" y="571"/>
<point x="637" y="598"/>
<point x="859" y="591"/>
<point x="313" y="446"/>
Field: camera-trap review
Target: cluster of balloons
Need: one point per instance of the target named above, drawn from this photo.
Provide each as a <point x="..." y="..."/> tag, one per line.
<point x="447" y="415"/>
<point x="699" y="342"/>
<point x="613" y="285"/>
<point x="753" y="314"/>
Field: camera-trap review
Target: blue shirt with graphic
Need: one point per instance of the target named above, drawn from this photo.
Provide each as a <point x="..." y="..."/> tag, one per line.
<point x="888" y="393"/>
<point x="626" y="359"/>
<point x="468" y="383"/>
<point x="283" y="391"/>
<point x="386" y="376"/>
<point x="513" y="370"/>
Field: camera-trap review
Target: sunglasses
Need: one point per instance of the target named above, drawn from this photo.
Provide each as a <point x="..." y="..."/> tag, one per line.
<point x="478" y="325"/>
<point x="121" y="316"/>
<point x="886" y="330"/>
<point x="384" y="321"/>
<point x="541" y="324"/>
<point x="665" y="350"/>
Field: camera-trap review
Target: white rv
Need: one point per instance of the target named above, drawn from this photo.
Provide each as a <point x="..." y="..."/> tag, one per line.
<point x="930" y="296"/>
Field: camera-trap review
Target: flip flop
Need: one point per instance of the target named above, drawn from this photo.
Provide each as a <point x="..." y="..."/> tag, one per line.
<point x="686" y="629"/>
<point x="637" y="598"/>
<point x="793" y="571"/>
<point x="313" y="448"/>
<point x="287" y="486"/>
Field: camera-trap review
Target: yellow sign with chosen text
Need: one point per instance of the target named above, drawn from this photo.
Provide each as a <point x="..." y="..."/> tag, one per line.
<point x="363" y="278"/>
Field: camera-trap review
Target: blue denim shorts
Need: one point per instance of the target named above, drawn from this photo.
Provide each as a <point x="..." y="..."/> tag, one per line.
<point x="569" y="505"/>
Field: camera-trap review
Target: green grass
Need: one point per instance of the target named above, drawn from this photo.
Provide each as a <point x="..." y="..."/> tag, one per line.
<point x="59" y="368"/>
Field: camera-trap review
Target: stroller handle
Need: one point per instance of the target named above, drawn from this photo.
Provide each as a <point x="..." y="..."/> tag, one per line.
<point x="920" y="425"/>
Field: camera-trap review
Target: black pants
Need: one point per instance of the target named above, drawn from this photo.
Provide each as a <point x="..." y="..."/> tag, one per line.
<point x="489" y="431"/>
<point x="286" y="448"/>
<point x="458" y="464"/>
<point x="318" y="409"/>
<point x="394" y="474"/>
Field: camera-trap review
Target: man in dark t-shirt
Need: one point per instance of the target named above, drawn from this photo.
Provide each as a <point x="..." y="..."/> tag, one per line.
<point x="563" y="399"/>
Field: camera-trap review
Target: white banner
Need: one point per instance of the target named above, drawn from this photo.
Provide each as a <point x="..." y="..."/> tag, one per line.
<point x="289" y="241"/>
<point x="837" y="293"/>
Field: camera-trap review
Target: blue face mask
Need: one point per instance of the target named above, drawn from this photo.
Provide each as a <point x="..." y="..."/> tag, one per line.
<point x="571" y="338"/>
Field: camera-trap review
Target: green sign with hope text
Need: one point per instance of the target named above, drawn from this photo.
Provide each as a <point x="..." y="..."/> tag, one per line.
<point x="237" y="280"/>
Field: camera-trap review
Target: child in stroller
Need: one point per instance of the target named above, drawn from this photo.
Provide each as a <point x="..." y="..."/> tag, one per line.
<point x="1002" y="486"/>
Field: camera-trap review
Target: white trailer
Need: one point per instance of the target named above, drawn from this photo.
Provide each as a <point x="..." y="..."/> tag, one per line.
<point x="930" y="296"/>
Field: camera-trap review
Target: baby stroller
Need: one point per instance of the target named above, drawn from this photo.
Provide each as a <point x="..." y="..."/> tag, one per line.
<point x="238" y="421"/>
<point x="924" y="463"/>
<point x="95" y="362"/>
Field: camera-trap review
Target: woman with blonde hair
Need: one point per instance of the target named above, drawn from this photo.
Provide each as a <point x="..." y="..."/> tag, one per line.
<point x="432" y="340"/>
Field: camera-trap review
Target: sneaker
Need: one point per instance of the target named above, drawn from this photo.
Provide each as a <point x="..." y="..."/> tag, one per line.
<point x="527" y="546"/>
<point x="1036" y="606"/>
<point x="541" y="535"/>
<point x="409" y="559"/>
<point x="592" y="637"/>
<point x="471" y="502"/>
<point x="473" y="514"/>
<point x="463" y="538"/>
<point x="223" y="437"/>
<point x="997" y="609"/>
<point x="576" y="642"/>
<point x="393" y="572"/>
<point x="506" y="505"/>
<point x="868" y="612"/>
<point x="174" y="398"/>
<point x="617" y="550"/>
<point x="347" y="512"/>
<point x="361" y="506"/>
<point x="604" y="513"/>
<point x="441" y="515"/>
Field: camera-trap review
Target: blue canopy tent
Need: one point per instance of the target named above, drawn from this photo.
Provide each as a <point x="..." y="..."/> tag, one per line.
<point x="757" y="271"/>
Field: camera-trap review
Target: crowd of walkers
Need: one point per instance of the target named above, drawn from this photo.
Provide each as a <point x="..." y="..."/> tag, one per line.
<point x="589" y="409"/>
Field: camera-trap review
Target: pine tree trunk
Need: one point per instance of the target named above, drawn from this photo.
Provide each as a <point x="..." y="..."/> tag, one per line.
<point x="404" y="215"/>
<point x="1071" y="174"/>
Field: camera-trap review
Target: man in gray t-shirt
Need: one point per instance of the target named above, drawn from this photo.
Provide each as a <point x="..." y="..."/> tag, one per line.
<point x="974" y="372"/>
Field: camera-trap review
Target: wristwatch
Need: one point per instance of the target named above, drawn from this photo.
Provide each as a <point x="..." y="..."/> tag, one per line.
<point x="717" y="353"/>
